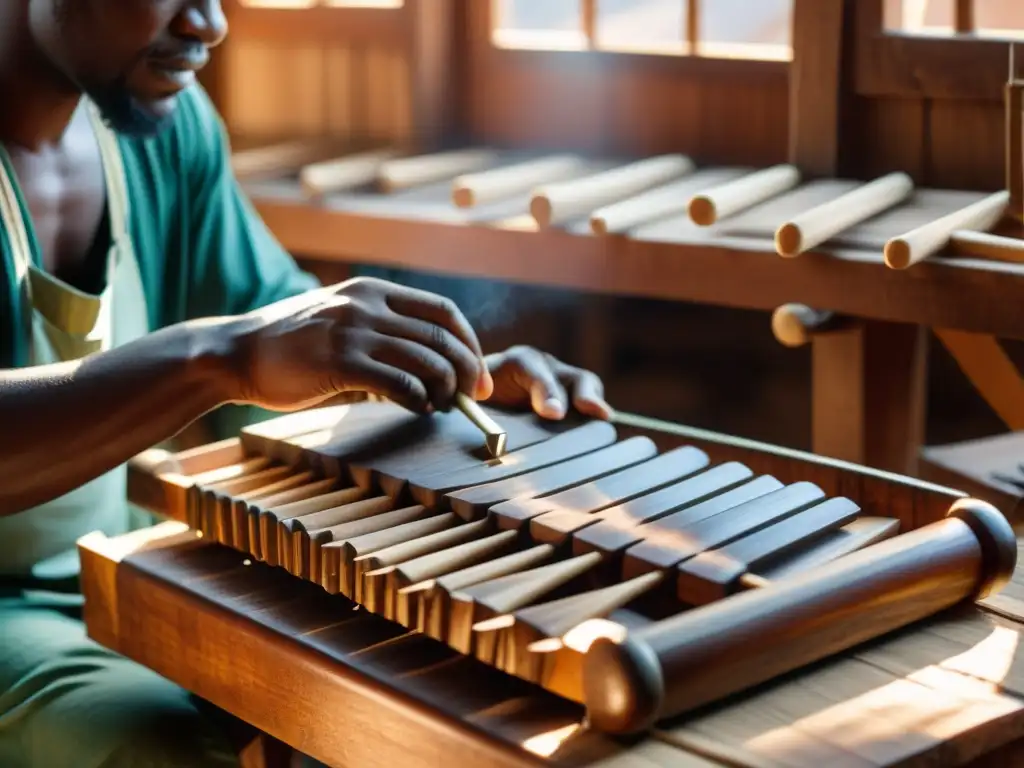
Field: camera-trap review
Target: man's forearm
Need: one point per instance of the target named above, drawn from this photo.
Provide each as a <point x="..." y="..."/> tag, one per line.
<point x="66" y="424"/>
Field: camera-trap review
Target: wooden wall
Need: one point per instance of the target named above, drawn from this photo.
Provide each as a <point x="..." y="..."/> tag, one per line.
<point x="932" y="107"/>
<point x="621" y="103"/>
<point x="358" y="74"/>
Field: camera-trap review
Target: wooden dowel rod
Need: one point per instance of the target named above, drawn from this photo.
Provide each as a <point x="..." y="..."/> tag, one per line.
<point x="795" y="325"/>
<point x="495" y="437"/>
<point x="700" y="656"/>
<point x="928" y="239"/>
<point x="407" y="172"/>
<point x="348" y="172"/>
<point x="823" y="222"/>
<point x="734" y="196"/>
<point x="984" y="245"/>
<point x="659" y="203"/>
<point x="554" y="204"/>
<point x="473" y="189"/>
<point x="274" y="160"/>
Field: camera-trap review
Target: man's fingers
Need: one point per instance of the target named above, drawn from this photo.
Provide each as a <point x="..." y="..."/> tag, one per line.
<point x="467" y="366"/>
<point x="436" y="373"/>
<point x="547" y="395"/>
<point x="395" y="384"/>
<point x="587" y="393"/>
<point x="435" y="309"/>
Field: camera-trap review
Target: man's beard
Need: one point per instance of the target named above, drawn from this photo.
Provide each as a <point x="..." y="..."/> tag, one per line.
<point x="123" y="113"/>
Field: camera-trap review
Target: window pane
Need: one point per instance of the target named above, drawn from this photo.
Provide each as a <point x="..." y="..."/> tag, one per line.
<point x="641" y="25"/>
<point x="538" y="23"/>
<point x="999" y="18"/>
<point x="745" y="29"/>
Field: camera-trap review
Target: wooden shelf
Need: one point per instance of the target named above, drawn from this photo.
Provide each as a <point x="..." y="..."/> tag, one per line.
<point x="669" y="261"/>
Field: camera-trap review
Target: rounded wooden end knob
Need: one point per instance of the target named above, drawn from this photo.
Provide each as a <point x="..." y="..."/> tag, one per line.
<point x="463" y="197"/>
<point x="897" y="254"/>
<point x="997" y="540"/>
<point x="623" y="688"/>
<point x="703" y="211"/>
<point x="789" y="240"/>
<point x="789" y="325"/>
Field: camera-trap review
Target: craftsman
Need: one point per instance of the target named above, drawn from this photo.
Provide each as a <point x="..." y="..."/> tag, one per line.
<point x="140" y="292"/>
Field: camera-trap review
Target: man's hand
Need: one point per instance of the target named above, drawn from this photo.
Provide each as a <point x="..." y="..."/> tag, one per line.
<point x="523" y="376"/>
<point x="368" y="335"/>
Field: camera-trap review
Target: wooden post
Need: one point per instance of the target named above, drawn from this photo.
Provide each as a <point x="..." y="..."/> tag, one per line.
<point x="430" y="60"/>
<point x="868" y="382"/>
<point x="869" y="386"/>
<point x="1014" y="104"/>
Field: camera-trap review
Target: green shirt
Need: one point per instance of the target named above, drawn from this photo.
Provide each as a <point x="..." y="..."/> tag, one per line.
<point x="201" y="247"/>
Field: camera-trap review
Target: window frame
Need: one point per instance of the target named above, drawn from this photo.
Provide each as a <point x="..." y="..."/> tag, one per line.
<point x="893" y="64"/>
<point x="682" y="62"/>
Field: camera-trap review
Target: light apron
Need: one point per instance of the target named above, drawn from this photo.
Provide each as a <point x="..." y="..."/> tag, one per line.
<point x="68" y="324"/>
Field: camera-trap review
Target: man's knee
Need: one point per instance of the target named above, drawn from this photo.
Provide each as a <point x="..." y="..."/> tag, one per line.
<point x="83" y="706"/>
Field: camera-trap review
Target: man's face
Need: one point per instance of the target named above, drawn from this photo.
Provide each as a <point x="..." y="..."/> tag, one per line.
<point x="131" y="57"/>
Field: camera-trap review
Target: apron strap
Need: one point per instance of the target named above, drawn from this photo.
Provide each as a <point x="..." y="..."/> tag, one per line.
<point x="113" y="171"/>
<point x="15" y="226"/>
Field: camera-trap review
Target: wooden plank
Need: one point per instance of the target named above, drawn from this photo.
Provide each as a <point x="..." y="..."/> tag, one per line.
<point x="963" y="294"/>
<point x="586" y="99"/>
<point x="966" y="144"/>
<point x="986" y="468"/>
<point x="943" y="693"/>
<point x="890" y="64"/>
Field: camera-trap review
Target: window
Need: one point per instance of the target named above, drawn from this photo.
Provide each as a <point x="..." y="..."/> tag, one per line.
<point x="1001" y="19"/>
<point x="744" y="29"/>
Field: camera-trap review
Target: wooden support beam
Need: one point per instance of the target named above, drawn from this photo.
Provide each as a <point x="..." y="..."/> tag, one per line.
<point x="869" y="395"/>
<point x="867" y="380"/>
<point x="816" y="87"/>
<point x="991" y="371"/>
<point x="430" y="61"/>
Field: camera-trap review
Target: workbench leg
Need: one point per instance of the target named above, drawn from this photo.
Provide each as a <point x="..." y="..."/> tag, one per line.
<point x="267" y="752"/>
<point x="869" y="395"/>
